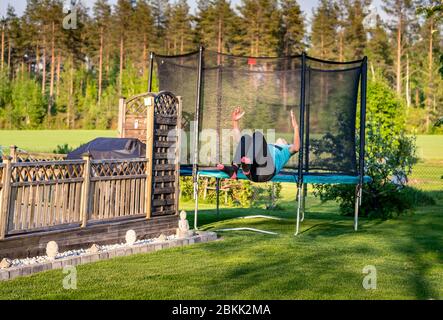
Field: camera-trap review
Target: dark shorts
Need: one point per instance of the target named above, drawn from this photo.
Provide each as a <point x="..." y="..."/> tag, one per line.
<point x="256" y="148"/>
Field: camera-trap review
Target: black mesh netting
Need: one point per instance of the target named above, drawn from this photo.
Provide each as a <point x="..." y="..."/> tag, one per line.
<point x="267" y="89"/>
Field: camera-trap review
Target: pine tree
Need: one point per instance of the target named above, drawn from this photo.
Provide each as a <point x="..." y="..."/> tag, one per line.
<point x="261" y="26"/>
<point x="13" y="34"/>
<point x="142" y="37"/>
<point x="102" y="17"/>
<point x="75" y="57"/>
<point x="354" y="31"/>
<point x="217" y="26"/>
<point x="401" y="12"/>
<point x="430" y="45"/>
<point x="293" y="27"/>
<point x="179" y="30"/>
<point x="379" y="51"/>
<point x="324" y="32"/>
<point x="121" y="23"/>
<point x="159" y="12"/>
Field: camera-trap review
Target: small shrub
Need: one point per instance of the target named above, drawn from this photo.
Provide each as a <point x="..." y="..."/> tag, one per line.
<point x="186" y="188"/>
<point x="383" y="201"/>
<point x="242" y="193"/>
<point x="390" y="155"/>
<point x="63" y="149"/>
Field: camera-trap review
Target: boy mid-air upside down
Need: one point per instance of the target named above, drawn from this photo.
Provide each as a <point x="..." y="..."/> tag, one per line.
<point x="259" y="161"/>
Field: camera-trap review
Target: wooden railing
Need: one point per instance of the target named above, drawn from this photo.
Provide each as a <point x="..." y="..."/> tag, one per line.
<point x="18" y="155"/>
<point x="46" y="195"/>
<point x="117" y="189"/>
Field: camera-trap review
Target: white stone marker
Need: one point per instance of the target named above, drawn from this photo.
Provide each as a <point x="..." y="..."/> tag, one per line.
<point x="5" y="264"/>
<point x="93" y="249"/>
<point x="52" y="250"/>
<point x="131" y="237"/>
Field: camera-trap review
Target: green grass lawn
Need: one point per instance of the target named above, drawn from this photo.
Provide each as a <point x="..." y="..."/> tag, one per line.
<point x="430" y="147"/>
<point x="48" y="140"/>
<point x="324" y="262"/>
<point x="427" y="175"/>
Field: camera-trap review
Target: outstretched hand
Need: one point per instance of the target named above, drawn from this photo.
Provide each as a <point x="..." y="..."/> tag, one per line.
<point x="294" y="120"/>
<point x="237" y="114"/>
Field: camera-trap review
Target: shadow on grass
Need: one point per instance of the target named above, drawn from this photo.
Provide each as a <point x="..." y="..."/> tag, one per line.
<point x="421" y="245"/>
<point x="416" y="239"/>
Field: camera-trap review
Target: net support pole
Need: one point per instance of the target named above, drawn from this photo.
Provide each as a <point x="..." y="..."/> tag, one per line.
<point x="217" y="191"/>
<point x="196" y="135"/>
<point x="305" y="192"/>
<point x="359" y="192"/>
<point x="300" y="153"/>
<point x="151" y="69"/>
<point x="307" y="131"/>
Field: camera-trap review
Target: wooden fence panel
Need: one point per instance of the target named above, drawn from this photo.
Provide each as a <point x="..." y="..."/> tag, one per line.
<point x="42" y="192"/>
<point x="44" y="195"/>
<point x="1" y="176"/>
<point x="166" y="169"/>
<point x="117" y="189"/>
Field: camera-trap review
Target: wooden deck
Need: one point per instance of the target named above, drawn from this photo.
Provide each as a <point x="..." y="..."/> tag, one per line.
<point x="30" y="245"/>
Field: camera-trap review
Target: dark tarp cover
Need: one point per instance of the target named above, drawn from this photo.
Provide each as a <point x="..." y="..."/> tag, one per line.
<point x="110" y="148"/>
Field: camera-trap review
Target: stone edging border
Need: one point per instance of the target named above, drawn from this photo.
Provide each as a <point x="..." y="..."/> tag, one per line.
<point x="11" y="273"/>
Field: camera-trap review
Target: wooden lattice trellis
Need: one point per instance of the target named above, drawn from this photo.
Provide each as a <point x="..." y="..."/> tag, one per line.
<point x="18" y="155"/>
<point x="166" y="149"/>
<point x="38" y="157"/>
<point x="111" y="168"/>
<point x="133" y="116"/>
<point x="49" y="171"/>
<point x="154" y="119"/>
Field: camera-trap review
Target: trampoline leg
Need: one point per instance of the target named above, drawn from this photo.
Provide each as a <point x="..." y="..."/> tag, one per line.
<point x="357" y="205"/>
<point x="299" y="199"/>
<point x="217" y="191"/>
<point x="305" y="192"/>
<point x="195" y="204"/>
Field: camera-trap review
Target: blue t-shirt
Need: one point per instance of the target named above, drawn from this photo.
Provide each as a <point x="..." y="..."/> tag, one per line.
<point x="280" y="154"/>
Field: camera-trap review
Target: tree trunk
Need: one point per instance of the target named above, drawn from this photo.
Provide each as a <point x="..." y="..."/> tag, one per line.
<point x="51" y="86"/>
<point x="220" y="36"/>
<point x="182" y="44"/>
<point x="175" y="45"/>
<point x="70" y="116"/>
<point x="107" y="62"/>
<point x="372" y="71"/>
<point x="399" y="43"/>
<point x="3" y="47"/>
<point x="44" y="67"/>
<point x="37" y="60"/>
<point x="430" y="82"/>
<point x="417" y="97"/>
<point x="22" y="76"/>
<point x="120" y="79"/>
<point x="408" y="95"/>
<point x="59" y="62"/>
<point x="341" y="46"/>
<point x="145" y="55"/>
<point x="9" y="54"/>
<point x="100" y="67"/>
<point x="322" y="50"/>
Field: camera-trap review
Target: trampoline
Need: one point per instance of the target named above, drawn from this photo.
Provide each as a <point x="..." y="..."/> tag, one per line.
<point x="328" y="97"/>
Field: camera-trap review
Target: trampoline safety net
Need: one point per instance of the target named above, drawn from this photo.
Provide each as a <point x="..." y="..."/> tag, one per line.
<point x="266" y="89"/>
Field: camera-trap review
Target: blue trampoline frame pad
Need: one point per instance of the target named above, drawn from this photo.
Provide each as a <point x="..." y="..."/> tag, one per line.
<point x="290" y="177"/>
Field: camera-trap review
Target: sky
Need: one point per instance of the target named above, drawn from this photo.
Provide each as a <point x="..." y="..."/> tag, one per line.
<point x="306" y="5"/>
